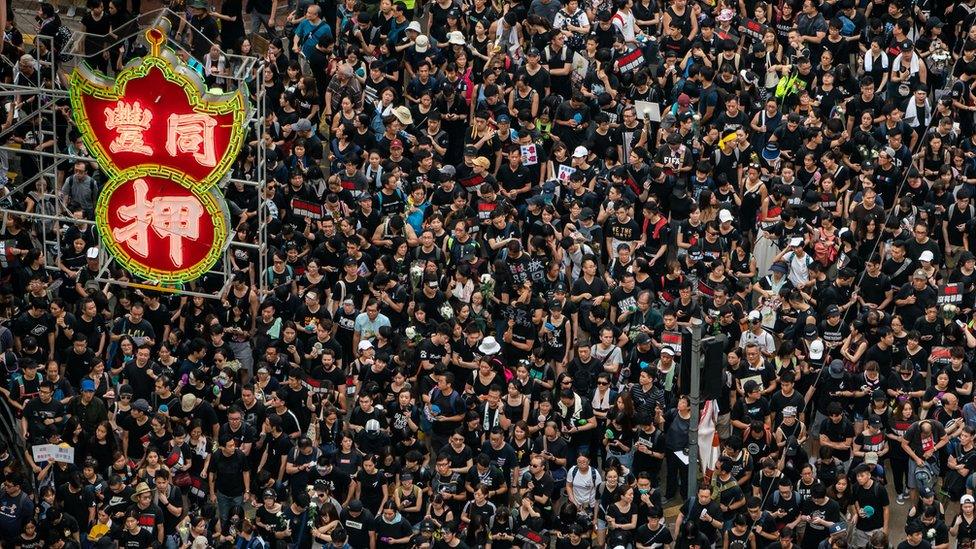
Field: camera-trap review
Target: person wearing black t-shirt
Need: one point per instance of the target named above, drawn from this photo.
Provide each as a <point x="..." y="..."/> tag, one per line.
<point x="820" y="513"/>
<point x="230" y="478"/>
<point x="837" y="432"/>
<point x="134" y="536"/>
<point x="914" y="539"/>
<point x="871" y="505"/>
<point x="654" y="533"/>
<point x="704" y="512"/>
<point x="514" y="179"/>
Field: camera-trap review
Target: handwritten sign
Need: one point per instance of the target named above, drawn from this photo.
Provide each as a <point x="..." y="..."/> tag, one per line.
<point x="530" y="155"/>
<point x="53" y="452"/>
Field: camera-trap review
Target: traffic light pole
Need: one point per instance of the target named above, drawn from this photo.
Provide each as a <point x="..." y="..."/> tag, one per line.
<point x="694" y="396"/>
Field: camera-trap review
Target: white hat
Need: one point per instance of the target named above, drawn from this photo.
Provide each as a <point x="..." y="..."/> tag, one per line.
<point x="365" y="344"/>
<point x="403" y="114"/>
<point x="580" y="152"/>
<point x="967" y="499"/>
<point x="456" y="38"/>
<point x="927" y="255"/>
<point x="489" y="346"/>
<point x="422" y="44"/>
<point x="725" y="15"/>
<point x="796" y="241"/>
<point x="92" y="253"/>
<point x="755" y="315"/>
<point x="414" y="26"/>
<point x="724" y="216"/>
<point x="817" y="349"/>
<point x="667" y="350"/>
<point x="372" y="425"/>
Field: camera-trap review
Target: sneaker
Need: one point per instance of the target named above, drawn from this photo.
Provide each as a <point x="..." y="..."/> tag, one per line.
<point x="901" y="499"/>
<point x="71" y="11"/>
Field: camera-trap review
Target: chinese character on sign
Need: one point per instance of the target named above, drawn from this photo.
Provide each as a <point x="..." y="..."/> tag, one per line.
<point x="173" y="217"/>
<point x="192" y="133"/>
<point x="130" y="121"/>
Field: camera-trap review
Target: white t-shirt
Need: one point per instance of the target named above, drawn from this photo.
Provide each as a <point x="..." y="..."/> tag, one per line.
<point x="584" y="484"/>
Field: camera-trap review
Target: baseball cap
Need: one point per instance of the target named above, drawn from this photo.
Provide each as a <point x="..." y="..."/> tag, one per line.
<point x="724" y="216"/>
<point x="92" y="253"/>
<point x="87" y="385"/>
<point x="816" y="349"/>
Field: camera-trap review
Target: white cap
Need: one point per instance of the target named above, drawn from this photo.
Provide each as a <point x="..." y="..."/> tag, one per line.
<point x="372" y="425"/>
<point x="92" y="253"/>
<point x="456" y="38"/>
<point x="422" y="44"/>
<point x="755" y="315"/>
<point x="817" y="349"/>
<point x="365" y="344"/>
<point x="414" y="26"/>
<point x="796" y="241"/>
<point x="927" y="255"/>
<point x="724" y="216"/>
<point x="967" y="499"/>
<point x="667" y="350"/>
<point x="580" y="152"/>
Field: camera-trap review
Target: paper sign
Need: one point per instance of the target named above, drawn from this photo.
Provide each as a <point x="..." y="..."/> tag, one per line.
<point x="951" y="293"/>
<point x="53" y="452"/>
<point x="672" y="340"/>
<point x="753" y="29"/>
<point x="64" y="454"/>
<point x="42" y="452"/>
<point x="648" y="109"/>
<point x="530" y="155"/>
<point x="307" y="209"/>
<point x="564" y="172"/>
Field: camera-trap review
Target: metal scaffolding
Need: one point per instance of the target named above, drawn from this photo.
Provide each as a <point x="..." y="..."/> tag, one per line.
<point x="45" y="151"/>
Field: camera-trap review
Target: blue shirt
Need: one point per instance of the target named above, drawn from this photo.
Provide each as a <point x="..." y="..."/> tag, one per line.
<point x="309" y="34"/>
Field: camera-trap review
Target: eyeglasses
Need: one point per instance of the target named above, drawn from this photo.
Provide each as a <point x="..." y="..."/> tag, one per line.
<point x="603" y="383"/>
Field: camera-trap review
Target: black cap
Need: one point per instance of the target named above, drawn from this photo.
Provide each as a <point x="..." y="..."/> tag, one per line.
<point x="355" y="506"/>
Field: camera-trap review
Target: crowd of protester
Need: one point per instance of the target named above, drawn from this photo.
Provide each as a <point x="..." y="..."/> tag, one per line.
<point x="488" y="224"/>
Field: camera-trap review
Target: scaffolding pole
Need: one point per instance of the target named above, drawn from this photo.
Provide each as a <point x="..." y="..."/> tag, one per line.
<point x="48" y="161"/>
